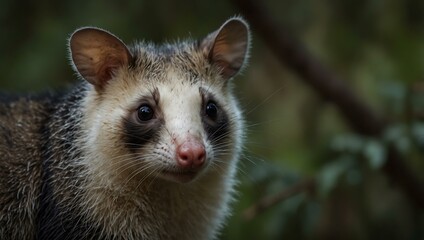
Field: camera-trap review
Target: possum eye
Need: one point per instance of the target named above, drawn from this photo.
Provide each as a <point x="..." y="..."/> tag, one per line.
<point x="145" y="113"/>
<point x="211" y="110"/>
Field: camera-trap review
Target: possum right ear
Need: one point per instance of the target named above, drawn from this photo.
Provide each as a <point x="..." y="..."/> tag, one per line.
<point x="228" y="47"/>
<point x="96" y="54"/>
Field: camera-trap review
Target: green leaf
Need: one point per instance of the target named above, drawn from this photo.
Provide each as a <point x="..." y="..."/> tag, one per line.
<point x="375" y="152"/>
<point x="331" y="173"/>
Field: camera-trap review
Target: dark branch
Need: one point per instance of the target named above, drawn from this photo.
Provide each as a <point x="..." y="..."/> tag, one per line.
<point x="269" y="201"/>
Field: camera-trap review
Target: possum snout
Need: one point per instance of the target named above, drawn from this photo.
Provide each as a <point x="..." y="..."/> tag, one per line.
<point x="191" y="154"/>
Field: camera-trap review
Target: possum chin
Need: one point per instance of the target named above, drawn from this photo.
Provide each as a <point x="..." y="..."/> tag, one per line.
<point x="179" y="175"/>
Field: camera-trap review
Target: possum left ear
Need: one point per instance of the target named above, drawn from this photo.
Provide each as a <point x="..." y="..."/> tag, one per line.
<point x="227" y="48"/>
<point x="96" y="54"/>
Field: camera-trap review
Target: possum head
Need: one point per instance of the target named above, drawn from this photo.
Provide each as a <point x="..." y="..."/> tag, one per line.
<point x="161" y="112"/>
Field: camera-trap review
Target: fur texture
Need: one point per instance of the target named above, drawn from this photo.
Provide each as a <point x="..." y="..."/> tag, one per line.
<point x="82" y="165"/>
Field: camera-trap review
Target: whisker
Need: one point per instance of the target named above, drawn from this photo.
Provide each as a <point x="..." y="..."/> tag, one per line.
<point x="264" y="101"/>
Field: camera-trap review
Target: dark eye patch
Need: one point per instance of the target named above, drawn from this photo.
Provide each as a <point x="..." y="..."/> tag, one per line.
<point x="137" y="134"/>
<point x="143" y="123"/>
<point x="214" y="118"/>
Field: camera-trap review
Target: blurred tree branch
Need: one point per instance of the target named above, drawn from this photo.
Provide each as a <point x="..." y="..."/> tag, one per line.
<point x="324" y="81"/>
<point x="269" y="201"/>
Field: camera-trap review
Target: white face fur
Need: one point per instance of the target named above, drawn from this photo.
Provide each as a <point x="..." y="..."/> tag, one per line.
<point x="162" y="112"/>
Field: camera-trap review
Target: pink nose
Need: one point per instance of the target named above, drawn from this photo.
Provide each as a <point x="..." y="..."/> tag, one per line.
<point x="191" y="154"/>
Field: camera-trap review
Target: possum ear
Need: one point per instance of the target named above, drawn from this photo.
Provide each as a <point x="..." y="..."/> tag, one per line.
<point x="96" y="54"/>
<point x="227" y="48"/>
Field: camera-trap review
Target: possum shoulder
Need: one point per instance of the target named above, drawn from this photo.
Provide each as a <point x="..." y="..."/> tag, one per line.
<point x="21" y="124"/>
<point x="21" y="120"/>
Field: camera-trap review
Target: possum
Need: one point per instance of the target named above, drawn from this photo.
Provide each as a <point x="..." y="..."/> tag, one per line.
<point x="144" y="146"/>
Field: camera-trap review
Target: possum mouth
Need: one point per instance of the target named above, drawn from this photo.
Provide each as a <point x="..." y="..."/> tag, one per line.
<point x="181" y="176"/>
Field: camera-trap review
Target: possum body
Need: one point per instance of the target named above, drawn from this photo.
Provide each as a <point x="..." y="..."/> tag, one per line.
<point x="145" y="146"/>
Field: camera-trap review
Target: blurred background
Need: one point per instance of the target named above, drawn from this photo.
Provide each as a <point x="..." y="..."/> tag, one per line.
<point x="333" y="97"/>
